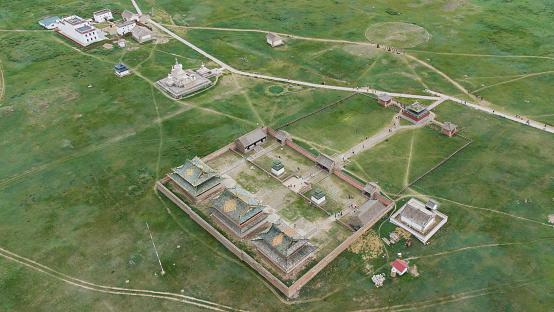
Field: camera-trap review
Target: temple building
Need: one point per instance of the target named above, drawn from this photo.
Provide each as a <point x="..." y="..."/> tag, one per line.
<point x="121" y="70"/>
<point x="423" y="221"/>
<point x="238" y="211"/>
<point x="283" y="248"/>
<point x="78" y="30"/>
<point x="181" y="82"/>
<point x="318" y="197"/>
<point x="277" y="168"/>
<point x="274" y="39"/>
<point x="415" y="112"/>
<point x="196" y="180"/>
<point x="448" y="128"/>
<point x="367" y="213"/>
<point x="247" y="142"/>
<point x="385" y="99"/>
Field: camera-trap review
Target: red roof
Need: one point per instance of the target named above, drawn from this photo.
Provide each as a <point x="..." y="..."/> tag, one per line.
<point x="399" y="265"/>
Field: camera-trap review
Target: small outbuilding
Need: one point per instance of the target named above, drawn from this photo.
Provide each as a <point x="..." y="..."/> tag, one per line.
<point x="102" y="16"/>
<point x="384" y="99"/>
<point x="121" y="70"/>
<point x="129" y="16"/>
<point x="366" y="214"/>
<point x="318" y="197"/>
<point x="274" y="39"/>
<point x="371" y="189"/>
<point x="277" y="168"/>
<point x="49" y="22"/>
<point x="432" y="204"/>
<point x="250" y="140"/>
<point x="282" y="136"/>
<point x="448" y="128"/>
<point x="400" y="266"/>
<point x="421" y="220"/>
<point x="325" y="162"/>
<point x="205" y="72"/>
<point x="142" y="34"/>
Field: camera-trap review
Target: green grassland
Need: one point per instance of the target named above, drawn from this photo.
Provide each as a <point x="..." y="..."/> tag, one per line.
<point x="344" y="125"/>
<point x="78" y="164"/>
<point x="403" y="157"/>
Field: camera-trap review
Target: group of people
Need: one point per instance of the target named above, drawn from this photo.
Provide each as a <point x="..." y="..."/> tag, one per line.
<point x="391" y="49"/>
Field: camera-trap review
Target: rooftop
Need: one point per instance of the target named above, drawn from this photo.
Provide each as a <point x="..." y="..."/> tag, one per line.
<point x="195" y="176"/>
<point x="74" y="20"/>
<point x="448" y="126"/>
<point x="85" y="29"/>
<point x="385" y="97"/>
<point x="318" y="194"/>
<point x="417" y="107"/>
<point x="277" y="165"/>
<point x="399" y="265"/>
<point x="125" y="23"/>
<point x="415" y="211"/>
<point x="120" y="67"/>
<point x="252" y="137"/>
<point x="237" y="205"/>
<point x="48" y="20"/>
<point x="272" y="36"/>
<point x="101" y="12"/>
<point x="325" y="161"/>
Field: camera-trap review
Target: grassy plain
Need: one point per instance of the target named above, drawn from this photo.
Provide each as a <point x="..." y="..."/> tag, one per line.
<point x="76" y="191"/>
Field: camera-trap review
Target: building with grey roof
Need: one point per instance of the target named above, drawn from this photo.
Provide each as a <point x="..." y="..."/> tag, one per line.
<point x="250" y="140"/>
<point x="367" y="213"/>
<point x="274" y="39"/>
<point x="325" y="162"/>
<point x="419" y="220"/>
<point x="195" y="179"/>
<point x="49" y="22"/>
<point x="282" y="247"/>
<point x="78" y="30"/>
<point x="238" y="211"/>
<point x="142" y="34"/>
<point x="129" y="16"/>
<point x="371" y="189"/>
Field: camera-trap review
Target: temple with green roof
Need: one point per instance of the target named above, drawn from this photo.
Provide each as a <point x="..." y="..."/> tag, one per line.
<point x="283" y="247"/>
<point x="277" y="168"/>
<point x="196" y="179"/>
<point x="238" y="211"/>
<point x="416" y="112"/>
<point x="318" y="197"/>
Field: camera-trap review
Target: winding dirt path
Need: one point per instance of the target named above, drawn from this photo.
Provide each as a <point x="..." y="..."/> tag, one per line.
<point x="112" y="290"/>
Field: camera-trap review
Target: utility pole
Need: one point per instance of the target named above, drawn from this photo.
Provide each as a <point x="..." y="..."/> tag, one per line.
<point x="163" y="272"/>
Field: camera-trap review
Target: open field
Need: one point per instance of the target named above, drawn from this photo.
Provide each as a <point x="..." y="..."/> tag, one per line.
<point x="337" y="129"/>
<point x="78" y="164"/>
<point x="402" y="158"/>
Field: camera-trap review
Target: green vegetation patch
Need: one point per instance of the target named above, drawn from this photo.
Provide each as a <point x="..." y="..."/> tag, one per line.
<point x="397" y="35"/>
<point x="276" y="89"/>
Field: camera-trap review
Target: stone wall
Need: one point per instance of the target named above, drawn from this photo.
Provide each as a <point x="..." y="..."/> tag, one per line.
<point x="348" y="179"/>
<point x="219" y="152"/>
<point x="222" y="239"/>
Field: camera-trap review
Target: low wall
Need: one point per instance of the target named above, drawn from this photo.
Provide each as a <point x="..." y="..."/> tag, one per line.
<point x="301" y="150"/>
<point x="337" y="251"/>
<point x="219" y="152"/>
<point x="222" y="239"/>
<point x="348" y="179"/>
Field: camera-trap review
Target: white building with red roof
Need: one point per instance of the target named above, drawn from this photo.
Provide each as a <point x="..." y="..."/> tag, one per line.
<point x="400" y="266"/>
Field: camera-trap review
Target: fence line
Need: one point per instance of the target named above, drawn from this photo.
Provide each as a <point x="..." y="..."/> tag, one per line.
<point x="222" y="239"/>
<point x="435" y="167"/>
<point x="316" y="111"/>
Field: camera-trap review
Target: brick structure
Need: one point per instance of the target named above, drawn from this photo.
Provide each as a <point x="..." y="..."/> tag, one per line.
<point x="448" y="129"/>
<point x="247" y="142"/>
<point x="385" y="99"/>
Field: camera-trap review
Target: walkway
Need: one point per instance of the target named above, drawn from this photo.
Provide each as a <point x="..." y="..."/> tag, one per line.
<point x="532" y="123"/>
<point x="372" y="141"/>
<point x="308" y="84"/>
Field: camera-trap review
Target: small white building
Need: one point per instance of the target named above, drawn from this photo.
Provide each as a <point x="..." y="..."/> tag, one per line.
<point x="78" y="30"/>
<point x="277" y="168"/>
<point x="423" y="222"/>
<point x="274" y="39"/>
<point x="125" y="27"/>
<point x="399" y="266"/>
<point x="318" y="197"/>
<point x="102" y="16"/>
<point x="49" y="22"/>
